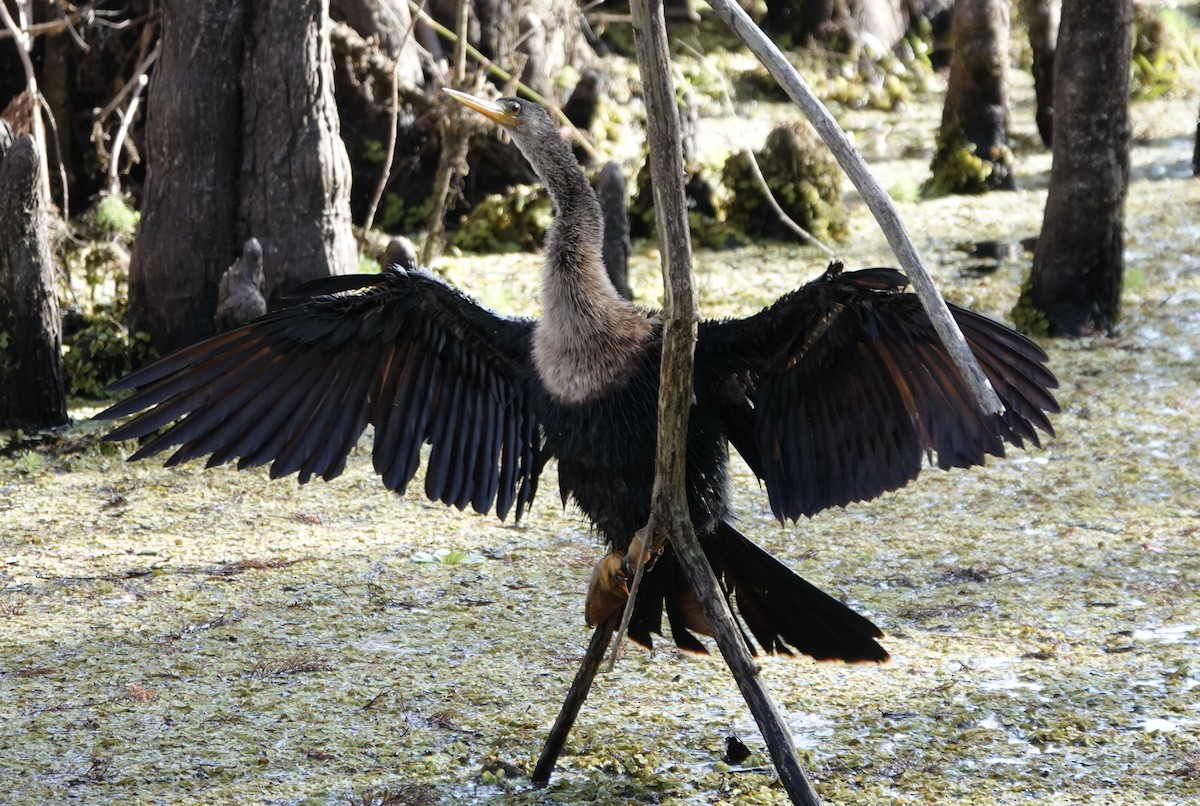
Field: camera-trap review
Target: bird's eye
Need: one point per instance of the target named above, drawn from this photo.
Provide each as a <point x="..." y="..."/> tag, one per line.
<point x="514" y="108"/>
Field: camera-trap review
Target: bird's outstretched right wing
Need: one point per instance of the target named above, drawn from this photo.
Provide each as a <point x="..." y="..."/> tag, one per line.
<point x="400" y="350"/>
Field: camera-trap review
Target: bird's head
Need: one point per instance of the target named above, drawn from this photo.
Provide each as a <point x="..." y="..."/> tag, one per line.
<point x="525" y="121"/>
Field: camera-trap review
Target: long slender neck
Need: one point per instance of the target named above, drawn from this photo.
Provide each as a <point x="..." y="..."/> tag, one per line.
<point x="589" y="335"/>
<point x="574" y="280"/>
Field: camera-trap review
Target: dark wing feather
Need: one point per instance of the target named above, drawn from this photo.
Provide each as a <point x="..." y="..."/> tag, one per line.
<point x="400" y="350"/>
<point x="841" y="390"/>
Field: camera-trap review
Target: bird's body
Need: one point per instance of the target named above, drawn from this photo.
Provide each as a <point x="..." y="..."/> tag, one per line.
<point x="836" y="393"/>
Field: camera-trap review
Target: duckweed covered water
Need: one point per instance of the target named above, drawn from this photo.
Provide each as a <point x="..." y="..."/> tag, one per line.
<point x="175" y="636"/>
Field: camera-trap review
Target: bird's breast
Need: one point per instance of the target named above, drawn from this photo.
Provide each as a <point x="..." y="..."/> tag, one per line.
<point x="579" y="361"/>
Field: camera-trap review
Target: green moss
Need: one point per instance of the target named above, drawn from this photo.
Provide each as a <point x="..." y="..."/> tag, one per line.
<point x="1164" y="51"/>
<point x="102" y="352"/>
<point x="116" y="217"/>
<point x="399" y="216"/>
<point x="515" y="221"/>
<point x="802" y="176"/>
<point x="957" y="168"/>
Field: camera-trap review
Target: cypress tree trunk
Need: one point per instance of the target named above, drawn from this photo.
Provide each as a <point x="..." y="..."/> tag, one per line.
<point x="1079" y="261"/>
<point x="1042" y="18"/>
<point x="975" y="117"/>
<point x="32" y="392"/>
<point x="296" y="175"/>
<point x="188" y="231"/>
<point x="1196" y="150"/>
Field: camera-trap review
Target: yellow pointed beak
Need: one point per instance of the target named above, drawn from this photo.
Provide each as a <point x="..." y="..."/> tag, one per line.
<point x="489" y="109"/>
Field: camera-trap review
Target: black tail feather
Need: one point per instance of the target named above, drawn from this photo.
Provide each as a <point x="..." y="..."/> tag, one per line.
<point x="783" y="612"/>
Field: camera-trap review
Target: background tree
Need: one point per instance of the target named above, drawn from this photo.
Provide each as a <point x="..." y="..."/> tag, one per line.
<point x="188" y="229"/>
<point x="841" y="24"/>
<point x="1079" y="260"/>
<point x="971" y="153"/>
<point x="244" y="142"/>
<point x="32" y="392"/>
<point x="295" y="190"/>
<point x="534" y="39"/>
<point x="1042" y="19"/>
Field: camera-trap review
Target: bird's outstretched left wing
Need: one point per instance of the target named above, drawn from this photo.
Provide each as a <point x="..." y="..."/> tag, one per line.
<point x="840" y="390"/>
<point x="400" y="350"/>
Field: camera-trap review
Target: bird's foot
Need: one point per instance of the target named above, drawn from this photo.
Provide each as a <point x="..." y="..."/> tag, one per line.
<point x="609" y="585"/>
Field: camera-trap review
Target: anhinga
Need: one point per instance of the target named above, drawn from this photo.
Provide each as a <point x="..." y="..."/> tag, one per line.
<point x="835" y="393"/>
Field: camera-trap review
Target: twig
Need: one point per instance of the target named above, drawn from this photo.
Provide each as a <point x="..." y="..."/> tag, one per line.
<point x="454" y="145"/>
<point x="129" y="86"/>
<point x="588" y="667"/>
<point x="390" y="153"/>
<point x="65" y="18"/>
<point x="627" y="611"/>
<point x="873" y="194"/>
<point x="35" y="123"/>
<point x="114" y="162"/>
<point x="37" y="29"/>
<point x="62" y="169"/>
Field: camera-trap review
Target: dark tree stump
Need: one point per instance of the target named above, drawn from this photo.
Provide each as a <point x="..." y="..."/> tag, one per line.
<point x="610" y="188"/>
<point x="239" y="297"/>
<point x="32" y="392"/>
<point x="1196" y="150"/>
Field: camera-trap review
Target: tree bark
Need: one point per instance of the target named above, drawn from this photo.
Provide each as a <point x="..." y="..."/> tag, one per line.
<point x="1042" y="18"/>
<point x="1079" y="261"/>
<point x="976" y="112"/>
<point x="296" y="174"/>
<point x="188" y="228"/>
<point x="32" y="391"/>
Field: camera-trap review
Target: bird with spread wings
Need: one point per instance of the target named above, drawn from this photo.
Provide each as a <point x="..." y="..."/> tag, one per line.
<point x="837" y="392"/>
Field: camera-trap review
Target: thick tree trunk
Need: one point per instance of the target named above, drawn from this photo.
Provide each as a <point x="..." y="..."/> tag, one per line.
<point x="32" y="392"/>
<point x="188" y="228"/>
<point x="296" y="175"/>
<point x="55" y="84"/>
<point x="1042" y="18"/>
<point x="975" y="116"/>
<point x="1079" y="262"/>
